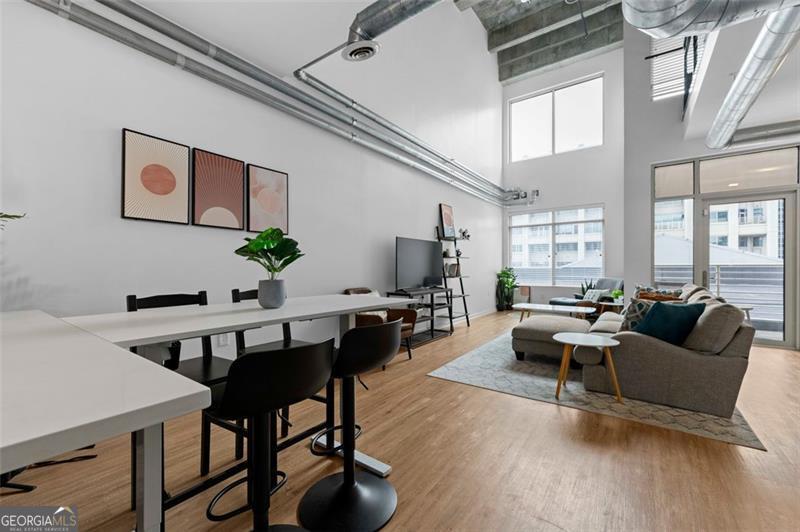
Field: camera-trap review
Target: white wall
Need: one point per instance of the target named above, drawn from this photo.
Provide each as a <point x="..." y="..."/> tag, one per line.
<point x="582" y="177"/>
<point x="66" y="94"/>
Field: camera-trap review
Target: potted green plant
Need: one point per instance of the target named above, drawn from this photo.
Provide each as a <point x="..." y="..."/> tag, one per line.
<point x="506" y="283"/>
<point x="618" y="295"/>
<point x="274" y="251"/>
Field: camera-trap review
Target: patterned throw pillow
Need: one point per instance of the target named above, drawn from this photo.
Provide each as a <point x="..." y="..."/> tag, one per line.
<point x="594" y="295"/>
<point x="635" y="312"/>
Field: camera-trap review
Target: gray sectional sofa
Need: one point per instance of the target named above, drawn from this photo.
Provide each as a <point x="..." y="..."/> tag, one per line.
<point x="704" y="374"/>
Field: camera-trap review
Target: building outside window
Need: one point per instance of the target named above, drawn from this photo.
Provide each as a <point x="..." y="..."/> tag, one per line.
<point x="560" y="247"/>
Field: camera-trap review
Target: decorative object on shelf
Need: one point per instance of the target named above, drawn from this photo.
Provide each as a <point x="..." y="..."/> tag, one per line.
<point x="155" y="178"/>
<point x="458" y="253"/>
<point x="217" y="190"/>
<point x="463" y="234"/>
<point x="267" y="199"/>
<point x="6" y="217"/>
<point x="274" y="251"/>
<point x="453" y="270"/>
<point x="447" y="220"/>
<point x="446" y="253"/>
<point x="506" y="283"/>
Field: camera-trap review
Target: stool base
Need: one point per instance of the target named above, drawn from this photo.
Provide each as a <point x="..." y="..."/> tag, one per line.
<point x="331" y="505"/>
<point x="286" y="528"/>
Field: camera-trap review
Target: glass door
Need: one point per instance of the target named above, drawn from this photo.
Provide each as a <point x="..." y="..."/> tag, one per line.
<point x="748" y="255"/>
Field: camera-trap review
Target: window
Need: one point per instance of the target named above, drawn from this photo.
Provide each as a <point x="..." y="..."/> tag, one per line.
<point x="674" y="180"/>
<point x="561" y="120"/>
<point x="673" y="242"/>
<point x="719" y="216"/>
<point x="562" y="247"/>
<point x="743" y="215"/>
<point x="719" y="240"/>
<point x="667" y="66"/>
<point x="749" y="171"/>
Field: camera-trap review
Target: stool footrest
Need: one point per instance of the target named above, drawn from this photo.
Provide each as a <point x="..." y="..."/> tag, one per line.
<point x="211" y="516"/>
<point x="324" y="451"/>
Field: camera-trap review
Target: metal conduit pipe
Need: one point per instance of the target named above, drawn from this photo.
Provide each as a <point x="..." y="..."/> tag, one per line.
<point x="669" y="18"/>
<point x="326" y="89"/>
<point x="166" y="27"/>
<point x="768" y="132"/>
<point x="121" y="34"/>
<point x="776" y="39"/>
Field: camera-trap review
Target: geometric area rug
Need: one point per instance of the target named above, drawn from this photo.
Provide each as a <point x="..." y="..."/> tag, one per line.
<point x="493" y="366"/>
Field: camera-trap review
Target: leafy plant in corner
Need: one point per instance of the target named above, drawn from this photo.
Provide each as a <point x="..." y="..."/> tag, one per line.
<point x="5" y="217"/>
<point x="506" y="283"/>
<point x="586" y="286"/>
<point x="271" y="249"/>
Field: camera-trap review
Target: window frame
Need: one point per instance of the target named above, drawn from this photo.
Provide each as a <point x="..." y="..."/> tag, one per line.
<point x="552" y="90"/>
<point x="552" y="242"/>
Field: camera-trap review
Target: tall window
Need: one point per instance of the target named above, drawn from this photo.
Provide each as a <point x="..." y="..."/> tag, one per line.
<point x="561" y="247"/>
<point x="557" y="121"/>
<point x="667" y="65"/>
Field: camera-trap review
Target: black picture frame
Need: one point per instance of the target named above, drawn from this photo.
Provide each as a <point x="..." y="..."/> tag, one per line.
<point x="452" y="233"/>
<point x="195" y="151"/>
<point x="247" y="194"/>
<point x="188" y="178"/>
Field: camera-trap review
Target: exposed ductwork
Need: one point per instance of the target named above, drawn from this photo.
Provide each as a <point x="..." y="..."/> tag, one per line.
<point x="771" y="132"/>
<point x="776" y="39"/>
<point x="670" y="18"/>
<point x="104" y="26"/>
<point x="375" y="19"/>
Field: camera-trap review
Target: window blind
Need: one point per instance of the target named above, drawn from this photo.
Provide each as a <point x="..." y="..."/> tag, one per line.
<point x="666" y="70"/>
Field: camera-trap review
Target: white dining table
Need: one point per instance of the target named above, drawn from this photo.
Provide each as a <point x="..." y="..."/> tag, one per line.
<point x="151" y="326"/>
<point x="62" y="388"/>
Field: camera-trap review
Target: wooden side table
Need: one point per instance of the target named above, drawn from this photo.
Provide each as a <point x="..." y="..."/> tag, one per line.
<point x="572" y="340"/>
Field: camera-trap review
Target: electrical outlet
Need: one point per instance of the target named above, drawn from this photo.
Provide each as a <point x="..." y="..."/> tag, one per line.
<point x="222" y="340"/>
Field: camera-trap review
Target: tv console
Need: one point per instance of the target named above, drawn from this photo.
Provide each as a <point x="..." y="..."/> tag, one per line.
<point x="428" y="302"/>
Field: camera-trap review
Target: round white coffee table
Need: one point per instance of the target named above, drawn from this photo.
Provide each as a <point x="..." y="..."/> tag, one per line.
<point x="572" y="340"/>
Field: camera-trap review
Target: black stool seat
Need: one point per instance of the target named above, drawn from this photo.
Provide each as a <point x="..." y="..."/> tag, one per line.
<point x="351" y="500"/>
<point x="205" y="372"/>
<point x="258" y="385"/>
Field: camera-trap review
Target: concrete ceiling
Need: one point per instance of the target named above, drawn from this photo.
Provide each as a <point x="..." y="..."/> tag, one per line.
<point x="541" y="34"/>
<point x="261" y="30"/>
<point x="779" y="101"/>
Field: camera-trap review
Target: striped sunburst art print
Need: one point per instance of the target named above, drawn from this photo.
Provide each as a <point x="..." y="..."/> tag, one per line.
<point x="155" y="178"/>
<point x="218" y="190"/>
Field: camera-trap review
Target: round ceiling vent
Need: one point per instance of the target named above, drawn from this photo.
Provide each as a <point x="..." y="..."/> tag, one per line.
<point x="360" y="50"/>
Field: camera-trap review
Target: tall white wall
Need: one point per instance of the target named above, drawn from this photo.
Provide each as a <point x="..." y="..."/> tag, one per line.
<point x="582" y="177"/>
<point x="66" y="94"/>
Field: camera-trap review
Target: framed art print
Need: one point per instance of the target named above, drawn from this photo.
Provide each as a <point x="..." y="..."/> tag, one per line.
<point x="155" y="178"/>
<point x="217" y="190"/>
<point x="267" y="199"/>
<point x="448" y="222"/>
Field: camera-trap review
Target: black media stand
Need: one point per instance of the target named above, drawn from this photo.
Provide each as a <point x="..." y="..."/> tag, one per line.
<point x="428" y="304"/>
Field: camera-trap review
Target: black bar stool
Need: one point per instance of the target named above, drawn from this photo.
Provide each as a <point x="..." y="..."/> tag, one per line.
<point x="258" y="385"/>
<point x="353" y="500"/>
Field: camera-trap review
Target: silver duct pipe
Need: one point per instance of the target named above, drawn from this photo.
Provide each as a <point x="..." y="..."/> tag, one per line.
<point x="776" y="39"/>
<point x="383" y="15"/>
<point x="669" y="18"/>
<point x="166" y="27"/>
<point x="139" y="42"/>
<point x="765" y="133"/>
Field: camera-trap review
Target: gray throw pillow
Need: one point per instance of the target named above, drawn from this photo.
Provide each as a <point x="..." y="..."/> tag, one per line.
<point x="715" y="329"/>
<point x="635" y="312"/>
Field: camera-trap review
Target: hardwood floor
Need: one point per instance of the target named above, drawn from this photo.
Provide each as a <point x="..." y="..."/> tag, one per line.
<point x="465" y="458"/>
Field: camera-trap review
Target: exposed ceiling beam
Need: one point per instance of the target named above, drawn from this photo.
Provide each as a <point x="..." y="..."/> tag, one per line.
<point x="463" y="5"/>
<point x="599" y="41"/>
<point x="569" y="32"/>
<point x="543" y="21"/>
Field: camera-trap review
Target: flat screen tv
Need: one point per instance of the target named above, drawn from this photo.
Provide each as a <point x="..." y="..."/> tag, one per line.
<point x="418" y="263"/>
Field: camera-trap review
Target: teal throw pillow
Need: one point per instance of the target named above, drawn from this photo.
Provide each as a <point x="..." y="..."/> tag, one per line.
<point x="670" y="323"/>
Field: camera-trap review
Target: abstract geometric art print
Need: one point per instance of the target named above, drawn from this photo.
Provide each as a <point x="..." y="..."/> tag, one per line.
<point x="447" y="220"/>
<point x="155" y="178"/>
<point x="267" y="199"/>
<point x="218" y="190"/>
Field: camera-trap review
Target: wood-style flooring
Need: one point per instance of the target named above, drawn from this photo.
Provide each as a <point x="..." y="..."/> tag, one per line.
<point x="469" y="459"/>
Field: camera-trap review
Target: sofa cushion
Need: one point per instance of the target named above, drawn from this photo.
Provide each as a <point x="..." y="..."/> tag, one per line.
<point x="715" y="328"/>
<point x="595" y="294"/>
<point x="689" y="289"/>
<point x="670" y="323"/>
<point x="610" y="316"/>
<point x="542" y="327"/>
<point x="606" y="326"/>
<point x="700" y="295"/>
<point x="636" y="310"/>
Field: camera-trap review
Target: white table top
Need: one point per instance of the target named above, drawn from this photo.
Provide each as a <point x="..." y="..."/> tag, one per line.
<point x="564" y="309"/>
<point x="129" y="329"/>
<point x="62" y="388"/>
<point x="586" y="340"/>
